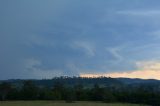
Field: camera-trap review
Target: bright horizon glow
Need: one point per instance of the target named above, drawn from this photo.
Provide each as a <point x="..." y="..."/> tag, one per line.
<point x="142" y="74"/>
<point x="146" y="70"/>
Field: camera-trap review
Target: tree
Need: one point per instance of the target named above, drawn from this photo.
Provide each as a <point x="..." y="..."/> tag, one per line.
<point x="69" y="95"/>
<point x="58" y="91"/>
<point x="46" y="94"/>
<point x="97" y="93"/>
<point x="14" y="94"/>
<point x="80" y="92"/>
<point x="4" y="90"/>
<point x="29" y="91"/>
<point x="108" y="96"/>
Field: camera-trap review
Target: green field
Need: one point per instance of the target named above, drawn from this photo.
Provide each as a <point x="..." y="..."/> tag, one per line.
<point x="52" y="103"/>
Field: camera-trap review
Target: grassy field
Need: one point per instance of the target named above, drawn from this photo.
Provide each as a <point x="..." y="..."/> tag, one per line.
<point x="52" y="103"/>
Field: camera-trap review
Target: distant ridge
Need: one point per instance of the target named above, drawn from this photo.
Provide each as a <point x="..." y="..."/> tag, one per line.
<point x="86" y="81"/>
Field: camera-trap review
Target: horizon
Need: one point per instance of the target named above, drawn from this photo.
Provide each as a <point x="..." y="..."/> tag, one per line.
<point x="85" y="77"/>
<point x="43" y="39"/>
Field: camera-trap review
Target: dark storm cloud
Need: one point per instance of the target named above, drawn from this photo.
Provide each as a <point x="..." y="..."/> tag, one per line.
<point x="42" y="39"/>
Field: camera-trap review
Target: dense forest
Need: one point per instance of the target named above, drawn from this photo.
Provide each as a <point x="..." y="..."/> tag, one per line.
<point x="72" y="89"/>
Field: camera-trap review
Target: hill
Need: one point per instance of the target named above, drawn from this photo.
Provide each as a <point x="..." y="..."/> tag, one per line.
<point x="88" y="82"/>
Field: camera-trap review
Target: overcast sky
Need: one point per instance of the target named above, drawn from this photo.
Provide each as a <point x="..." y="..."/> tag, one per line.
<point x="47" y="38"/>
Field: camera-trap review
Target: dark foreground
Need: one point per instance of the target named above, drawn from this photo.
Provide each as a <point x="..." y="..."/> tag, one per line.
<point x="106" y="90"/>
<point x="57" y="103"/>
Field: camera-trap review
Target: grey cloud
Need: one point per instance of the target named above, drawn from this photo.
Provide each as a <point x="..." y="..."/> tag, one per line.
<point x="58" y="37"/>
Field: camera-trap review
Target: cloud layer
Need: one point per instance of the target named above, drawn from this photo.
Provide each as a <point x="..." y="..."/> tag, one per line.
<point x="43" y="39"/>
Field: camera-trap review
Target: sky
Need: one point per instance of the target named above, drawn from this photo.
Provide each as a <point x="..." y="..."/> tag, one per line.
<point x="48" y="38"/>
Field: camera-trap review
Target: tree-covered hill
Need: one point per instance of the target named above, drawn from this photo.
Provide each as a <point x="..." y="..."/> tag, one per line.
<point x="87" y="82"/>
<point x="71" y="89"/>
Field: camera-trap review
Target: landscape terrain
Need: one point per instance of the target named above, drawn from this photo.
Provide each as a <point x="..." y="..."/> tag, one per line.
<point x="98" y="91"/>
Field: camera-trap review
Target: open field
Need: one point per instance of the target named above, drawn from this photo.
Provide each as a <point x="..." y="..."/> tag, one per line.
<point x="52" y="103"/>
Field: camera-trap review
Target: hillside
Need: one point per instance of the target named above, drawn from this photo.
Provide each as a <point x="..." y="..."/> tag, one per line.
<point x="88" y="82"/>
<point x="70" y="89"/>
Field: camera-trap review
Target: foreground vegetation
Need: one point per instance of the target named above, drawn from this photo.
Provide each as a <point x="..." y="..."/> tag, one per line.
<point x="51" y="103"/>
<point x="114" y="93"/>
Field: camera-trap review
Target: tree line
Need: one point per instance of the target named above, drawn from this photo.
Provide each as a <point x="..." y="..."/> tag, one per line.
<point x="59" y="91"/>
